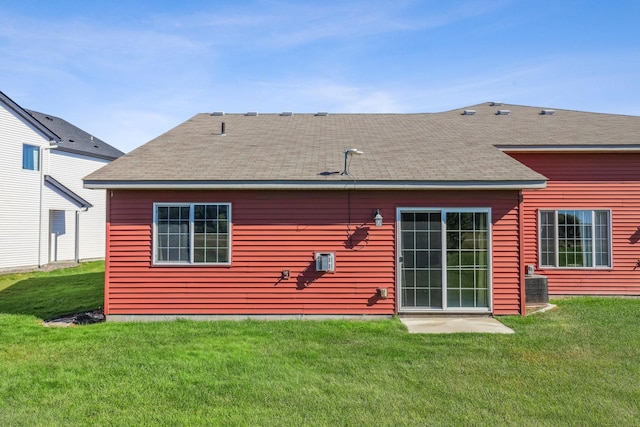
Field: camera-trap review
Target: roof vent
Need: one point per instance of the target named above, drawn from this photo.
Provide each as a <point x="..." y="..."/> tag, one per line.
<point x="322" y="113"/>
<point x="547" y="112"/>
<point x="252" y="113"/>
<point x="218" y="113"/>
<point x="496" y="104"/>
<point x="287" y="113"/>
<point x="468" y="112"/>
<point x="503" y="112"/>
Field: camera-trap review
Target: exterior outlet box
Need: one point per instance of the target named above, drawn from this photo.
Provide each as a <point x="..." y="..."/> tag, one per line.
<point x="382" y="293"/>
<point x="530" y="270"/>
<point x="325" y="261"/>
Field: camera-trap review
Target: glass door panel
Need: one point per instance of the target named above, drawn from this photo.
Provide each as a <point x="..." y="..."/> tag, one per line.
<point x="421" y="267"/>
<point x="445" y="259"/>
<point x="467" y="269"/>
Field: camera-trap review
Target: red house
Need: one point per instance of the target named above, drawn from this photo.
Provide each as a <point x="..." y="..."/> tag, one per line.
<point x="278" y="215"/>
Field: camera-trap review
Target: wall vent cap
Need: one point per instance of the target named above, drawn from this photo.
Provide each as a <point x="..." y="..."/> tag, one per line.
<point x="325" y="261"/>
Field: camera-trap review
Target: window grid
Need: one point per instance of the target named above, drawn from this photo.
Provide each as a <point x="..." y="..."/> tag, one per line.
<point x="547" y="239"/>
<point x="602" y="233"/>
<point x="422" y="267"/>
<point x="192" y="233"/>
<point x="173" y="233"/>
<point x="575" y="238"/>
<point x="210" y="234"/>
<point x="467" y="259"/>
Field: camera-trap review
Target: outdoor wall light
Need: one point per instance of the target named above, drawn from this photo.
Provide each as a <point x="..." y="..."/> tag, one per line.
<point x="378" y="218"/>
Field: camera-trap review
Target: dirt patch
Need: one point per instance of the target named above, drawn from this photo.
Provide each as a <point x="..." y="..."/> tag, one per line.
<point x="47" y="267"/>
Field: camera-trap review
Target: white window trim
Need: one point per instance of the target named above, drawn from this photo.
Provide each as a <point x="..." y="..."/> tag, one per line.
<point x="556" y="239"/>
<point x="190" y="263"/>
<point x="445" y="307"/>
<point x="38" y="150"/>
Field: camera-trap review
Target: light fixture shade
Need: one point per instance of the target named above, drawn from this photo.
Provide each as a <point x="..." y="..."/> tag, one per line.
<point x="378" y="218"/>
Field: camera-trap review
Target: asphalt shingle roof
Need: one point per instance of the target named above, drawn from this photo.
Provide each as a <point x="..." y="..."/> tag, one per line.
<point x="431" y="147"/>
<point x="74" y="139"/>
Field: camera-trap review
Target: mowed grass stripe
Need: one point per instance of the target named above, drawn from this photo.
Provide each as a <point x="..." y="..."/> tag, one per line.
<point x="576" y="365"/>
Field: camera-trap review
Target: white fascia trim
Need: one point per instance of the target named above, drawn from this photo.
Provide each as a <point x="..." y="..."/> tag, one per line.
<point x="42" y="129"/>
<point x="314" y="185"/>
<point x="617" y="148"/>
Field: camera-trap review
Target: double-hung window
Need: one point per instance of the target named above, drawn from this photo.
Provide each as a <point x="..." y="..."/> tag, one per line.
<point x="192" y="233"/>
<point x="575" y="238"/>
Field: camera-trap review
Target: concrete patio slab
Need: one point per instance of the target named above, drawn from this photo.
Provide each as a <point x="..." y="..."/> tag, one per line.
<point x="454" y="324"/>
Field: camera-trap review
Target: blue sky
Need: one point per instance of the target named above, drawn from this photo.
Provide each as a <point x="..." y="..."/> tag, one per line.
<point x="129" y="71"/>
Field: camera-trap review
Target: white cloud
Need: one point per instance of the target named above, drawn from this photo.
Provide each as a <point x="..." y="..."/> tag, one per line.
<point x="84" y="45"/>
<point x="128" y="80"/>
<point x="287" y="24"/>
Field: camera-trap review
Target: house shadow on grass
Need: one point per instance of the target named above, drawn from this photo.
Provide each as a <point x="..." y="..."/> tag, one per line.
<point x="54" y="296"/>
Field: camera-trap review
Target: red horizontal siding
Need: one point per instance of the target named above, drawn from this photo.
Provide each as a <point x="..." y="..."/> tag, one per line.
<point x="589" y="181"/>
<point x="274" y="231"/>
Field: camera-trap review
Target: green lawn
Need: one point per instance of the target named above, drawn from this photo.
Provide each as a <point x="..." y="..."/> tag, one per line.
<point x="576" y="365"/>
<point x="56" y="293"/>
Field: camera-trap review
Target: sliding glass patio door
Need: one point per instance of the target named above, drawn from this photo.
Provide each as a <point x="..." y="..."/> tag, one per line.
<point x="444" y="259"/>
